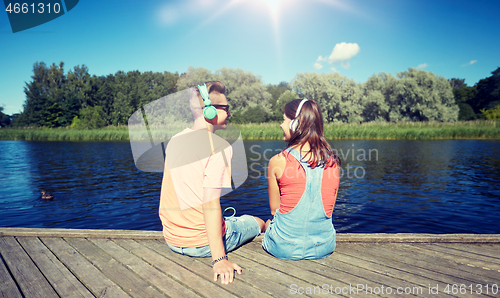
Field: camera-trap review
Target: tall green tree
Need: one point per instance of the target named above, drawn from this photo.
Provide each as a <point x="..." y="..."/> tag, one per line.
<point x="419" y="95"/>
<point x="36" y="96"/>
<point x="76" y="92"/>
<point x="488" y="92"/>
<point x="276" y="91"/>
<point x="279" y="106"/>
<point x="464" y="96"/>
<point x="4" y="118"/>
<point x="338" y="96"/>
<point x="375" y="104"/>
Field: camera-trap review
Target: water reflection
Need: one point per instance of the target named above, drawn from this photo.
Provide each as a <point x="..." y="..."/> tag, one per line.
<point x="448" y="186"/>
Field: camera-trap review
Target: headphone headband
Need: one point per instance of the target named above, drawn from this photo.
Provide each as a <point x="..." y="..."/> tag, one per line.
<point x="209" y="110"/>
<point x="300" y="107"/>
<point x="294" y="122"/>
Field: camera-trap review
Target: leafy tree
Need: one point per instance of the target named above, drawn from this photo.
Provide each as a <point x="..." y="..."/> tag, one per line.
<point x="76" y="92"/>
<point x="91" y="118"/>
<point x="338" y="96"/>
<point x="375" y="105"/>
<point x="466" y="112"/>
<point x="36" y="96"/>
<point x="457" y="83"/>
<point x="488" y="91"/>
<point x="4" y="118"/>
<point x="419" y="95"/>
<point x="279" y="107"/>
<point x="254" y="114"/>
<point x="493" y="113"/>
<point x="276" y="91"/>
<point x="464" y="96"/>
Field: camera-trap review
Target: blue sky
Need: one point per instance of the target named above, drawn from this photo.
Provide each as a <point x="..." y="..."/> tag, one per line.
<point x="275" y="39"/>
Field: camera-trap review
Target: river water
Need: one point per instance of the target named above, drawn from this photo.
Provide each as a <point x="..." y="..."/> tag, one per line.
<point x="439" y="186"/>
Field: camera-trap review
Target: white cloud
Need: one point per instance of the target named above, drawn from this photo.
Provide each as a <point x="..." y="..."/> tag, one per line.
<point x="318" y="65"/>
<point x="470" y="63"/>
<point x="345" y="64"/>
<point x="343" y="52"/>
<point x="422" y="66"/>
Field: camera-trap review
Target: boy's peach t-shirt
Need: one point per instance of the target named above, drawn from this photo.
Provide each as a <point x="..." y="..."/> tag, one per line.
<point x="189" y="167"/>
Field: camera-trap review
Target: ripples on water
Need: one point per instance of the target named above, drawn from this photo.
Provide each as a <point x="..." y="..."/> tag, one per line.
<point x="442" y="186"/>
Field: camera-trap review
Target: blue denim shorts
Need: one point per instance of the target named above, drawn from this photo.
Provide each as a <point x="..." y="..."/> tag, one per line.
<point x="239" y="230"/>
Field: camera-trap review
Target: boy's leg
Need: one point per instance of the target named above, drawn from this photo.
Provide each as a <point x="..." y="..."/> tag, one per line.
<point x="240" y="230"/>
<point x="261" y="223"/>
<point x="199" y="252"/>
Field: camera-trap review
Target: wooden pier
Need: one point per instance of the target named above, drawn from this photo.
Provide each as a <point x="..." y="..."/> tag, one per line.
<point x="115" y="263"/>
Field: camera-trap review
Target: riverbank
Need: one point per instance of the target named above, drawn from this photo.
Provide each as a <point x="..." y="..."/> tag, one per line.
<point x="271" y="131"/>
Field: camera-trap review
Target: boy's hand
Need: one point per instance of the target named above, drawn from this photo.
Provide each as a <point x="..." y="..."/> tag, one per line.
<point x="225" y="269"/>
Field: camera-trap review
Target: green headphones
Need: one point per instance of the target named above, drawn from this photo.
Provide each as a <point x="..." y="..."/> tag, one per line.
<point x="209" y="111"/>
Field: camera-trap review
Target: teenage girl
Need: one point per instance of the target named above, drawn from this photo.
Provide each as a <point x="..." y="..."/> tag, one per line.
<point x="303" y="183"/>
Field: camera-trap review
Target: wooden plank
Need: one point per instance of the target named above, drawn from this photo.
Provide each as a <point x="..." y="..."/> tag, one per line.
<point x="265" y="279"/>
<point x="200" y="285"/>
<point x="61" y="279"/>
<point x="417" y="238"/>
<point x="237" y="287"/>
<point x="489" y="250"/>
<point x="492" y="263"/>
<point x="343" y="275"/>
<point x="8" y="287"/>
<point x="93" y="279"/>
<point x="117" y="272"/>
<point x="397" y="277"/>
<point x="28" y="277"/>
<point x="400" y="256"/>
<point x="340" y="237"/>
<point x="477" y="266"/>
<point x="154" y="276"/>
<point x="250" y="251"/>
<point x="80" y="233"/>
<point x="334" y="261"/>
<point x="337" y="278"/>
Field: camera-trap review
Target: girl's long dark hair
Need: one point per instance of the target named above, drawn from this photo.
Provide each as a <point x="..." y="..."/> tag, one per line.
<point x="310" y="129"/>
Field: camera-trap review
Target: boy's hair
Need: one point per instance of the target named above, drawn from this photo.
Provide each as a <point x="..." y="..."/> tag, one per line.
<point x="216" y="86"/>
<point x="310" y="129"/>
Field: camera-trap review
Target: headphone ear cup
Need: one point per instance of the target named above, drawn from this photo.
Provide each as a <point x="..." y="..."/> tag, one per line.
<point x="209" y="112"/>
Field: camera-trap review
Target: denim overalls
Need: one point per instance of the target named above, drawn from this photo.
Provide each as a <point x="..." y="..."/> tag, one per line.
<point x="306" y="232"/>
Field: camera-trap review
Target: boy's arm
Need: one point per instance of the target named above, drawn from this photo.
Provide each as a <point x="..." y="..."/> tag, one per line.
<point x="212" y="216"/>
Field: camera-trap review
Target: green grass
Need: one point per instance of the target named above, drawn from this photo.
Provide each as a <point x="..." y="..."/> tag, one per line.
<point x="386" y="131"/>
<point x="109" y="133"/>
<point x="272" y="131"/>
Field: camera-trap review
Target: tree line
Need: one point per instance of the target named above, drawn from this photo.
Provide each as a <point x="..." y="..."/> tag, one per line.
<point x="82" y="100"/>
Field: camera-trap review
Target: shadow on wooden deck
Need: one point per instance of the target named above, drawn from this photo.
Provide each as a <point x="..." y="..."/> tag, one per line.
<point x="117" y="263"/>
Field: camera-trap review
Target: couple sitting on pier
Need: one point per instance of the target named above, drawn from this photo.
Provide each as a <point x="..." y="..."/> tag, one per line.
<point x="303" y="182"/>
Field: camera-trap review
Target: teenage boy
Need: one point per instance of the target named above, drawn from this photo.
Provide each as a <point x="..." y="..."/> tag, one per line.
<point x="197" y="167"/>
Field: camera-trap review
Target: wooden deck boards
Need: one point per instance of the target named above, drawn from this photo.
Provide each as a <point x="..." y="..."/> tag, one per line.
<point x="89" y="263"/>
